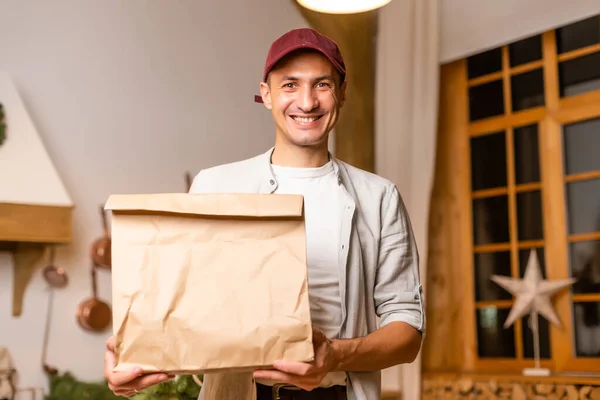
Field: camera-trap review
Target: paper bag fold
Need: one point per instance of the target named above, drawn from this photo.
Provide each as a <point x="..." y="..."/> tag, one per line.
<point x="209" y="282"/>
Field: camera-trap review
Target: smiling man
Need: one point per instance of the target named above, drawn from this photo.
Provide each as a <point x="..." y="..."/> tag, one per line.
<point x="363" y="267"/>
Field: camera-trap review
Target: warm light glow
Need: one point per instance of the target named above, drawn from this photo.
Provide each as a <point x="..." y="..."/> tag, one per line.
<point x="342" y="6"/>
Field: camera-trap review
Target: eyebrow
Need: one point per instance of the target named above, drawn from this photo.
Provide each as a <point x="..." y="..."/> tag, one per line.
<point x="319" y="78"/>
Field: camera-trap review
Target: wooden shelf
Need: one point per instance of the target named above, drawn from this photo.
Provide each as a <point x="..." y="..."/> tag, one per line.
<point x="25" y="231"/>
<point x="32" y="223"/>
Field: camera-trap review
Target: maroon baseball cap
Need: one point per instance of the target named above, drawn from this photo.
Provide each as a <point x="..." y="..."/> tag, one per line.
<point x="303" y="38"/>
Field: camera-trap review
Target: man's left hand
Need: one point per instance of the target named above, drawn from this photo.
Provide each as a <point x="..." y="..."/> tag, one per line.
<point x="306" y="376"/>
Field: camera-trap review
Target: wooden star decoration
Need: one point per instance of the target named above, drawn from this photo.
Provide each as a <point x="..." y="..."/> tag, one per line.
<point x="533" y="293"/>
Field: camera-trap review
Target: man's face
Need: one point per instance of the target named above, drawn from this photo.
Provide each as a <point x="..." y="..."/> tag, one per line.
<point x="304" y="95"/>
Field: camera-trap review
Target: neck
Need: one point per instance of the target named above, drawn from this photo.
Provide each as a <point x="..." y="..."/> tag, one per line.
<point x="299" y="157"/>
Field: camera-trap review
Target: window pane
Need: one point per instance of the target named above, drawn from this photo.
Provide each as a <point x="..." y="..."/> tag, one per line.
<point x="490" y="220"/>
<point x="579" y="75"/>
<point x="581" y="146"/>
<point x="585" y="266"/>
<point x="488" y="161"/>
<point x="492" y="339"/>
<point x="529" y="216"/>
<point x="577" y="35"/>
<point x="587" y="329"/>
<point x="527" y="90"/>
<point x="484" y="63"/>
<point x="583" y="206"/>
<point x="486" y="100"/>
<point x="527" y="158"/>
<point x="527" y="337"/>
<point x="526" y="50"/>
<point x="486" y="265"/>
<point x="524" y="258"/>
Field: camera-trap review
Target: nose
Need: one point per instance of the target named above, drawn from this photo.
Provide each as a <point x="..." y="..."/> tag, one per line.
<point x="307" y="99"/>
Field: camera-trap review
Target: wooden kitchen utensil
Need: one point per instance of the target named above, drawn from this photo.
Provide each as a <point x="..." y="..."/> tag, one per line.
<point x="94" y="314"/>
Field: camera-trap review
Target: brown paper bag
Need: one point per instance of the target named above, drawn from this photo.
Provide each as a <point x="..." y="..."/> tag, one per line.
<point x="209" y="282"/>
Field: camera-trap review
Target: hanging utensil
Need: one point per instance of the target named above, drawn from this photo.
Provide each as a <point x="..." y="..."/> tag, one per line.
<point x="94" y="314"/>
<point x="188" y="181"/>
<point x="55" y="277"/>
<point x="101" y="248"/>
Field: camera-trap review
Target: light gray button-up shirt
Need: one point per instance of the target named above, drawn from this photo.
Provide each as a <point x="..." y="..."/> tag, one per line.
<point x="378" y="261"/>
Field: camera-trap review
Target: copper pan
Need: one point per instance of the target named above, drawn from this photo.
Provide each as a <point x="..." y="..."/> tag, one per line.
<point x="94" y="314"/>
<point x="101" y="248"/>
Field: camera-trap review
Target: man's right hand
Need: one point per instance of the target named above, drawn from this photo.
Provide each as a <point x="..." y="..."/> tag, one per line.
<point x="127" y="383"/>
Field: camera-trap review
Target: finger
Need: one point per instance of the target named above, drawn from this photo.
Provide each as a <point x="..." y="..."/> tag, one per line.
<point x="121" y="378"/>
<point x="117" y="379"/>
<point x="318" y="335"/>
<point x="145" y="381"/>
<point x="291" y="367"/>
<point x="109" y="364"/>
<point x="110" y="344"/>
<point x="300" y="382"/>
<point x="278" y="376"/>
<point x="140" y="383"/>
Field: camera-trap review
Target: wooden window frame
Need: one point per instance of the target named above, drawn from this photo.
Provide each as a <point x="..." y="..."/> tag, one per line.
<point x="455" y="198"/>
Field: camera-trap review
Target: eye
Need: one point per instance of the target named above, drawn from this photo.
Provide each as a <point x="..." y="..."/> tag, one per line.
<point x="289" y="85"/>
<point x="323" y="85"/>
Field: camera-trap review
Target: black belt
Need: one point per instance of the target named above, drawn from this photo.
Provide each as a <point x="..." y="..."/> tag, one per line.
<point x="287" y="392"/>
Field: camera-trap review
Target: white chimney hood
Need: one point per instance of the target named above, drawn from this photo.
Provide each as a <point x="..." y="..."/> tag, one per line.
<point x="35" y="208"/>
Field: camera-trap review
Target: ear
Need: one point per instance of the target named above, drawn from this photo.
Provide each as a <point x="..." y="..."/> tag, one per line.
<point x="265" y="92"/>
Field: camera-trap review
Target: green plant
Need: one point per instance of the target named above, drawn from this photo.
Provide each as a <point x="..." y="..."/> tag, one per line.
<point x="67" y="387"/>
<point x="181" y="388"/>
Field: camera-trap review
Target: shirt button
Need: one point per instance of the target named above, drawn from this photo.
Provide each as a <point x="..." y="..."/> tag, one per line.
<point x="272" y="182"/>
<point x="343" y="247"/>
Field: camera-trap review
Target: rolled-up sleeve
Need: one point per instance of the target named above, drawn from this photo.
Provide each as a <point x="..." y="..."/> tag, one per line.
<point x="398" y="291"/>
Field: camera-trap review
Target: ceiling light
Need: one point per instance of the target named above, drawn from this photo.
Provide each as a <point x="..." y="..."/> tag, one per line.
<point x="342" y="6"/>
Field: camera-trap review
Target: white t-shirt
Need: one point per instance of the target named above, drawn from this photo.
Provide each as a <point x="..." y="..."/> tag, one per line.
<point x="323" y="213"/>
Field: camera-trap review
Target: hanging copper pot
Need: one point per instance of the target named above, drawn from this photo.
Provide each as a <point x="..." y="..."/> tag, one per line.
<point x="94" y="314"/>
<point x="101" y="248"/>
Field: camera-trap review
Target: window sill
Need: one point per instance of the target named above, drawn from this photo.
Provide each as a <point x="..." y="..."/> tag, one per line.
<point x="570" y="378"/>
<point x="514" y="386"/>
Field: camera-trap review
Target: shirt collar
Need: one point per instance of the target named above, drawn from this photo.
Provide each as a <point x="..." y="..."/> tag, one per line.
<point x="269" y="182"/>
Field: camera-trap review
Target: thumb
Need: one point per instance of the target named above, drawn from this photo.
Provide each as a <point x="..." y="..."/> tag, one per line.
<point x="318" y="335"/>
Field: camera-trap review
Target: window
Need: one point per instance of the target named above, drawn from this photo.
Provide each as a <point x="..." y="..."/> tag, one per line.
<point x="531" y="182"/>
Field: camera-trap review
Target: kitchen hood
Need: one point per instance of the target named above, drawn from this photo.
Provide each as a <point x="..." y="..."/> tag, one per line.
<point x="35" y="208"/>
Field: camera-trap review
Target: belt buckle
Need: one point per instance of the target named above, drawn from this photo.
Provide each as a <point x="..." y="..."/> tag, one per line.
<point x="278" y="386"/>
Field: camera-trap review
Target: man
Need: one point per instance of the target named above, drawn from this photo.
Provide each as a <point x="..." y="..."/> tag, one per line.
<point x="364" y="289"/>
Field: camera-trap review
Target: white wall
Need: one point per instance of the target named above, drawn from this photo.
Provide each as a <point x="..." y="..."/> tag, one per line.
<point x="127" y="96"/>
<point x="469" y="26"/>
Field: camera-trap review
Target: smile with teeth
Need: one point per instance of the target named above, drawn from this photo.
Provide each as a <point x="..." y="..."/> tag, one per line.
<point x="305" y="119"/>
